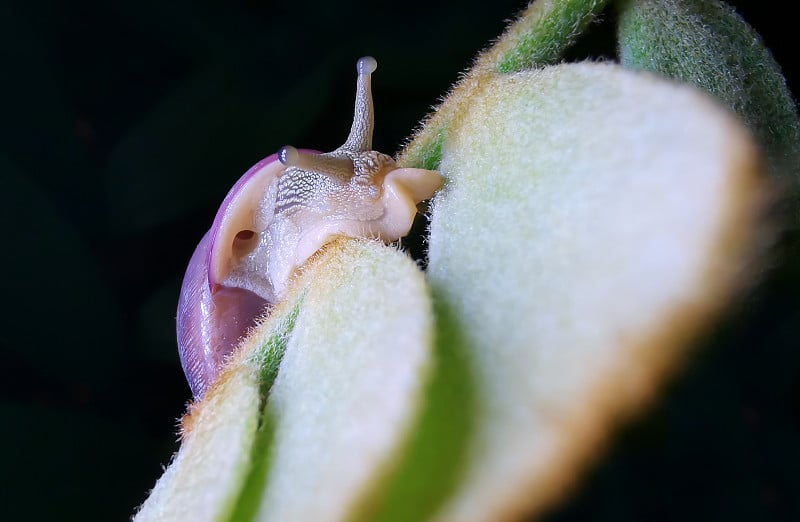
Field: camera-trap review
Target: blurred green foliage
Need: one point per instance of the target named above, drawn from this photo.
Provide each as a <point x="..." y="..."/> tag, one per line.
<point x="124" y="124"/>
<point x="681" y="39"/>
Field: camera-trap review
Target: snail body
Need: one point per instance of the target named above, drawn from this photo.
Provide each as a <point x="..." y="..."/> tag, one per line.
<point x="276" y="216"/>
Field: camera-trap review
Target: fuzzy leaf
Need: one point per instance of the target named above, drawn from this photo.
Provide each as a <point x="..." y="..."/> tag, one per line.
<point x="350" y="385"/>
<point x="595" y="221"/>
<point x="319" y="400"/>
<point x="551" y="26"/>
<point x="705" y="43"/>
<point x="203" y="481"/>
<point x="538" y="37"/>
<point x="432" y="461"/>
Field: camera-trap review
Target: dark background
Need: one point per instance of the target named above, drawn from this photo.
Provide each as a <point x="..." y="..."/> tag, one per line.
<point x="122" y="126"/>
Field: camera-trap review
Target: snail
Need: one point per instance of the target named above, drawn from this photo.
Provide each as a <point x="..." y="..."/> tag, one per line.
<point x="276" y="216"/>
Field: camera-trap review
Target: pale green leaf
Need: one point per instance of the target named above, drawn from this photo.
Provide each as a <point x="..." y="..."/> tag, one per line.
<point x="202" y="483"/>
<point x="350" y="384"/>
<point x="319" y="402"/>
<point x="594" y="222"/>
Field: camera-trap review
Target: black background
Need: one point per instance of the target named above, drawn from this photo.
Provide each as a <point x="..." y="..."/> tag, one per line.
<point x="122" y="126"/>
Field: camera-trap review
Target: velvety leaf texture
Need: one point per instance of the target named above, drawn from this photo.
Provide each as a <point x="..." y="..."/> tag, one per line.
<point x="705" y="43"/>
<point x="544" y="40"/>
<point x="578" y="268"/>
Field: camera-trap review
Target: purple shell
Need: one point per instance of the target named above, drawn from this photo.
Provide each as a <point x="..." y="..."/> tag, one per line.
<point x="231" y="203"/>
<point x="212" y="318"/>
<point x="209" y="326"/>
